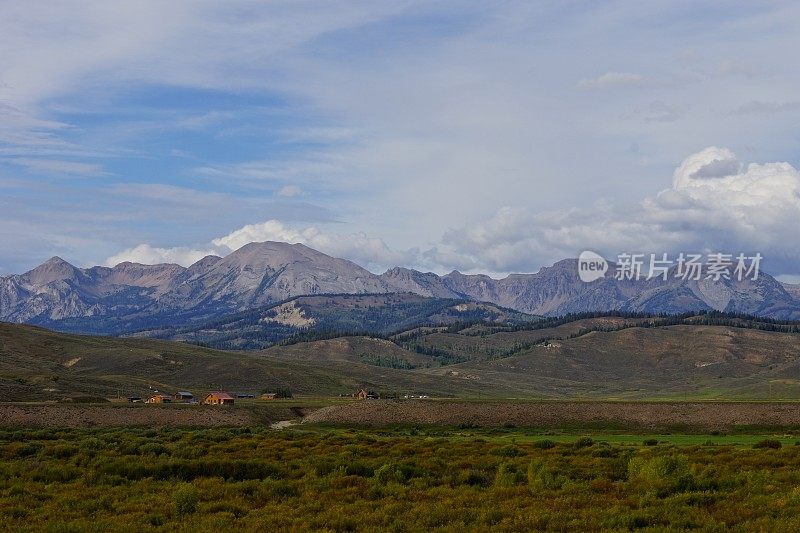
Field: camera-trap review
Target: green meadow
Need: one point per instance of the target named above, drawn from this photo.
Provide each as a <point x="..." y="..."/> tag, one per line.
<point x="395" y="479"/>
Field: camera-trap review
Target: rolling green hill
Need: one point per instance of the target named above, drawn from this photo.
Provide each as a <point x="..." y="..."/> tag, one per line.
<point x="622" y="357"/>
<point x="38" y="364"/>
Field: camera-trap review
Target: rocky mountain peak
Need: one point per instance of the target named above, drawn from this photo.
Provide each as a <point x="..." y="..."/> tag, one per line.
<point x="54" y="269"/>
<point x="131" y="295"/>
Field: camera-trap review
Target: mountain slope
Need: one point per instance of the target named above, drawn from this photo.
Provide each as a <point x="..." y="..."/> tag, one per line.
<point x="364" y="313"/>
<point x="131" y="297"/>
<point x="557" y="290"/>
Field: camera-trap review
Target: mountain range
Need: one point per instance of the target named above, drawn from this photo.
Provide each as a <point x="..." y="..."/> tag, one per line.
<point x="132" y="297"/>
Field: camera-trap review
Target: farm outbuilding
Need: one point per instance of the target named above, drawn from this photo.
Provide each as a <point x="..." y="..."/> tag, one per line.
<point x="364" y="394"/>
<point x="218" y="398"/>
<point x="269" y="395"/>
<point x="158" y="398"/>
<point x="184" y="396"/>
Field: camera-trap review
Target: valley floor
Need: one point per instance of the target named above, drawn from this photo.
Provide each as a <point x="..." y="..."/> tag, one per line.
<point x="401" y="479"/>
<point x="346" y="412"/>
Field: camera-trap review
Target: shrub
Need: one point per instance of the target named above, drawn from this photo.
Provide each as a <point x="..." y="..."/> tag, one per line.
<point x="386" y="474"/>
<point x="508" y="451"/>
<point x="508" y="475"/>
<point x="27" y="450"/>
<point x="358" y="469"/>
<point x="664" y="474"/>
<point x="651" y="442"/>
<point x="474" y="478"/>
<point x="605" y="452"/>
<point x="771" y="444"/>
<point x="185" y="498"/>
<point x="545" y="444"/>
<point x="153" y="448"/>
<point x="62" y="451"/>
<point x="540" y="477"/>
<point x="55" y="474"/>
<point x="88" y="399"/>
<point x="226" y="507"/>
<point x="282" y="489"/>
<point x="584" y="442"/>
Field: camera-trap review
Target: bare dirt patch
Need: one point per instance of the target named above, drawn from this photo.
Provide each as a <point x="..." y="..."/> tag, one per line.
<point x="95" y="415"/>
<point x="698" y="415"/>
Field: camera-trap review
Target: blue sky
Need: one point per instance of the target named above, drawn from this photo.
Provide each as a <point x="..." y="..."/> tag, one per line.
<point x="478" y="136"/>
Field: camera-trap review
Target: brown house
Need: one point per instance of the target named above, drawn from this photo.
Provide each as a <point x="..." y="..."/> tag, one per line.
<point x="218" y="398"/>
<point x="364" y="394"/>
<point x="269" y="395"/>
<point x="158" y="398"/>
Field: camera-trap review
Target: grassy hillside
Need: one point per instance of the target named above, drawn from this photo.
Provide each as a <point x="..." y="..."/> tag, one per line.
<point x="38" y="364"/>
<point x="676" y="362"/>
<point x="609" y="357"/>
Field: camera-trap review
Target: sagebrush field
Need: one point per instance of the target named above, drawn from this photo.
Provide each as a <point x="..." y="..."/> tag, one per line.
<point x="403" y="479"/>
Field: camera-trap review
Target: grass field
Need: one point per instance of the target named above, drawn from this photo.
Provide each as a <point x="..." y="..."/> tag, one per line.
<point x="396" y="479"/>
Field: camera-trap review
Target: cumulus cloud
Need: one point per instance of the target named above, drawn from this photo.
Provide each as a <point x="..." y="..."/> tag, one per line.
<point x="715" y="204"/>
<point x="370" y="252"/>
<point x="271" y="230"/>
<point x="150" y="255"/>
<point x="711" y="162"/>
<point x="359" y="247"/>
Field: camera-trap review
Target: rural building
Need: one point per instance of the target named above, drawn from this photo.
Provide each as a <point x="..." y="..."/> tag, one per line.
<point x="218" y="398"/>
<point x="158" y="398"/>
<point x="364" y="394"/>
<point x="184" y="396"/>
<point x="135" y="399"/>
<point x="245" y="395"/>
<point x="269" y="395"/>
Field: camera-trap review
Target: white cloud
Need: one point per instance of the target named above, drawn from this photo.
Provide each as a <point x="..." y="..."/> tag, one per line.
<point x="755" y="107"/>
<point x="271" y="230"/>
<point x="370" y="252"/>
<point x="715" y="204"/>
<point x="59" y="167"/>
<point x="359" y="247"/>
<point x="656" y="111"/>
<point x="149" y="255"/>
<point x="470" y="109"/>
<point x="289" y="191"/>
<point x="611" y="79"/>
